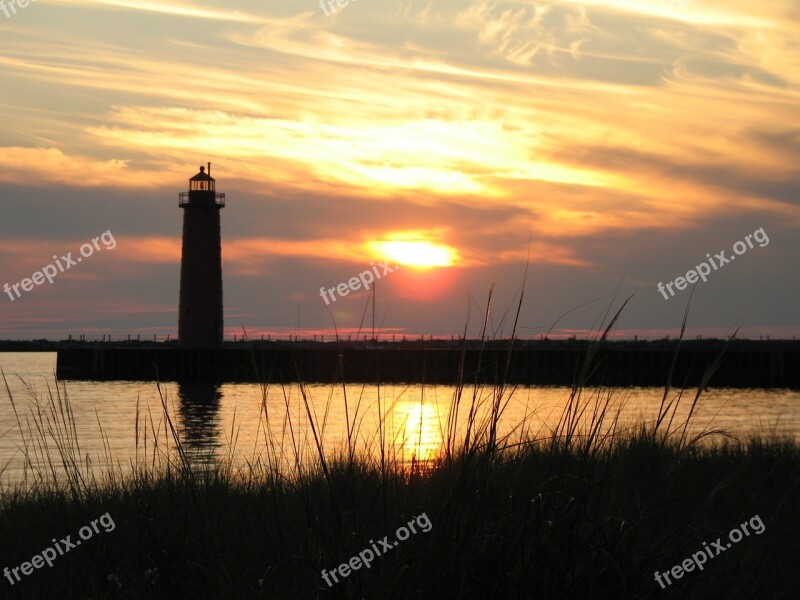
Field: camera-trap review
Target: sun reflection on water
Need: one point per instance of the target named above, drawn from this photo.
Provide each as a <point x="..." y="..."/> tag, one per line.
<point x="418" y="435"/>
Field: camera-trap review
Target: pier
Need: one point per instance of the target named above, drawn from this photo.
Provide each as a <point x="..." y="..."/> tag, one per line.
<point x="765" y="364"/>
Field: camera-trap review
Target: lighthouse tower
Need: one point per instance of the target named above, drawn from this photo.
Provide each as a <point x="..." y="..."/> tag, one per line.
<point x="200" y="317"/>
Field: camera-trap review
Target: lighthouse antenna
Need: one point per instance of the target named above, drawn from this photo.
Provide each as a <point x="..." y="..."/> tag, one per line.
<point x="209" y="169"/>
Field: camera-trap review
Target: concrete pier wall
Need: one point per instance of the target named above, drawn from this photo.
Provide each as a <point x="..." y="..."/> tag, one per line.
<point x="557" y="363"/>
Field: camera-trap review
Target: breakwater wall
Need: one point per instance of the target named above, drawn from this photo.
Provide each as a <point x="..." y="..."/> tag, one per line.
<point x="744" y="364"/>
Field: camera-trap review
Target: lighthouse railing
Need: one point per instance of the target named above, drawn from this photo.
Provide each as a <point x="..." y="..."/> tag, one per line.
<point x="183" y="199"/>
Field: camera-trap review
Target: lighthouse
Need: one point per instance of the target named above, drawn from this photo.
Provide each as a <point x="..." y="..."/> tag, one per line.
<point x="200" y="308"/>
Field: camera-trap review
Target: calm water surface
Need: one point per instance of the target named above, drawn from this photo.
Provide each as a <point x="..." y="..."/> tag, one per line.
<point x="227" y="422"/>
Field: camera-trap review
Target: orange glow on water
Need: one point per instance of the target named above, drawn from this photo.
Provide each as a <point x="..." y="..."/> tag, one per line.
<point x="418" y="436"/>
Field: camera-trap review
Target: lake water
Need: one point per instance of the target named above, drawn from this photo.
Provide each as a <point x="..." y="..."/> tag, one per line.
<point x="121" y="422"/>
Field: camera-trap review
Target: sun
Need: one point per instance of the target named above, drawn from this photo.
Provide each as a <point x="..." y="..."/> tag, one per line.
<point x="422" y="254"/>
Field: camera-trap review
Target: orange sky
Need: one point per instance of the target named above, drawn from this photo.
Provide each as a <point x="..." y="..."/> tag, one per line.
<point x="625" y="139"/>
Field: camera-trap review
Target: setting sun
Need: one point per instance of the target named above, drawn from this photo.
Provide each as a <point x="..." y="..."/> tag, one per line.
<point x="416" y="253"/>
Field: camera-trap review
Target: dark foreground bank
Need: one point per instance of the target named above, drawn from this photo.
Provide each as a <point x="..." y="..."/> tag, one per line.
<point x="576" y="519"/>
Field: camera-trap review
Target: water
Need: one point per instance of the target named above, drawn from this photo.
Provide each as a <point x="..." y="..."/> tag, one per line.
<point x="227" y="422"/>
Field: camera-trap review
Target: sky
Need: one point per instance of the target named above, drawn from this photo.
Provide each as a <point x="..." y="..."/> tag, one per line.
<point x="582" y="151"/>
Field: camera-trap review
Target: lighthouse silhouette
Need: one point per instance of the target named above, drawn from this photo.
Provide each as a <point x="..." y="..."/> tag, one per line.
<point x="200" y="309"/>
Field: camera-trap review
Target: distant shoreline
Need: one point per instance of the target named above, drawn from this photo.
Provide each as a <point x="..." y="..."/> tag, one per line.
<point x="415" y="342"/>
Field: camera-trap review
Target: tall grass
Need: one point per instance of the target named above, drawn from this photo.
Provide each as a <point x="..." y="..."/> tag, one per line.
<point x="589" y="509"/>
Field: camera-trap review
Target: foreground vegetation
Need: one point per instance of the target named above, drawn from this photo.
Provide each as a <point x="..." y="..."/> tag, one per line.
<point x="589" y="510"/>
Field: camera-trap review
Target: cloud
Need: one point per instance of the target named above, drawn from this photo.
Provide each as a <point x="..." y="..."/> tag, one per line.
<point x="624" y="137"/>
<point x="51" y="165"/>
